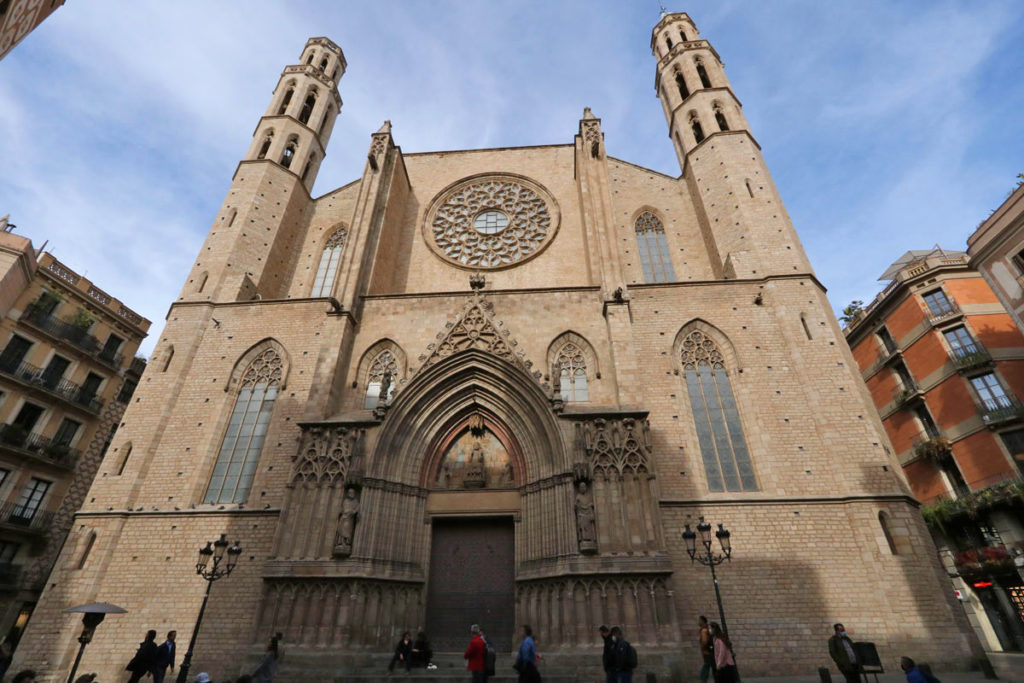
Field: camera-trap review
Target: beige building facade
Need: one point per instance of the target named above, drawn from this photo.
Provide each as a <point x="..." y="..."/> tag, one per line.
<point x="67" y="371"/>
<point x="996" y="250"/>
<point x="494" y="386"/>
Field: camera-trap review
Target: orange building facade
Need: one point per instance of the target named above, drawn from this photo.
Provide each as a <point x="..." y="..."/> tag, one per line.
<point x="944" y="364"/>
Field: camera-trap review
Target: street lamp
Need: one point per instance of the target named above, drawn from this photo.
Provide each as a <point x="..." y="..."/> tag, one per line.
<point x="215" y="552"/>
<point x="709" y="558"/>
<point x="92" y="614"/>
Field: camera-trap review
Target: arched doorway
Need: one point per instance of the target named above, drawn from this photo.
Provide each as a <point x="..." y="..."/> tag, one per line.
<point x="471" y="473"/>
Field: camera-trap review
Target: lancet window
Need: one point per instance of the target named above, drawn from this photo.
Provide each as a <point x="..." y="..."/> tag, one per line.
<point x="323" y="283"/>
<point x="723" y="447"/>
<point x="571" y="366"/>
<point x="653" y="246"/>
<point x="240" y="451"/>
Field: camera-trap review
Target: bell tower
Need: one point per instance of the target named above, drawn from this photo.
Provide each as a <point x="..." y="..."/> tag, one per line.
<point x="250" y="250"/>
<point x="738" y="205"/>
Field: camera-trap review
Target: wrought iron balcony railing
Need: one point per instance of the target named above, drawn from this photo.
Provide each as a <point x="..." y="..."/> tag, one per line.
<point x="54" y="385"/>
<point x="72" y="334"/>
<point x="1001" y="409"/>
<point x="936" y="448"/>
<point x="15" y="437"/>
<point x="906" y="393"/>
<point x="971" y="356"/>
<point x="28" y="518"/>
<point x="948" y="310"/>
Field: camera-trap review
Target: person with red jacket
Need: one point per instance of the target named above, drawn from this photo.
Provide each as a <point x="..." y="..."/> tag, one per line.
<point x="475" y="655"/>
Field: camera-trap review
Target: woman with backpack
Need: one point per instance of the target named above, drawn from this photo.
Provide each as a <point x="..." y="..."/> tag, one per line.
<point x="526" y="658"/>
<point x="725" y="665"/>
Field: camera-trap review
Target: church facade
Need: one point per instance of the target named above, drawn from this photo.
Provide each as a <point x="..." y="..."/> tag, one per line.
<point x="494" y="386"/>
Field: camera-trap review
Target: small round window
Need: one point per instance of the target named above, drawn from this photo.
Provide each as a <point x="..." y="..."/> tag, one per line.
<point x="490" y="222"/>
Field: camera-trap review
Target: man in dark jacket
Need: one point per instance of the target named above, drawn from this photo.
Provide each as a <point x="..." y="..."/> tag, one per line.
<point x="164" y="658"/>
<point x="840" y="649"/>
<point x="623" y="657"/>
<point x="403" y="653"/>
<point x="144" y="660"/>
<point x="606" y="656"/>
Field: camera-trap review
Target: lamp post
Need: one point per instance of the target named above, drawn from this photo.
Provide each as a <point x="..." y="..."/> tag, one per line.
<point x="92" y="614"/>
<point x="216" y="551"/>
<point x="708" y="557"/>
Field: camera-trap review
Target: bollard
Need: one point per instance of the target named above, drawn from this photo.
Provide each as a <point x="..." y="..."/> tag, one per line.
<point x="824" y="674"/>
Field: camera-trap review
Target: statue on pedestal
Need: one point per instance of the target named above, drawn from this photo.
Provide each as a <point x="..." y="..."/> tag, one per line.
<point x="347" y="523"/>
<point x="586" y="527"/>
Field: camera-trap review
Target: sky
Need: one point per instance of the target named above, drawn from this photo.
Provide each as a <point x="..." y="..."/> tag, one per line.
<point x="887" y="126"/>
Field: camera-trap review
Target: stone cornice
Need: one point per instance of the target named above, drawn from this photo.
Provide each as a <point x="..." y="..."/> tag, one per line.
<point x="798" y="500"/>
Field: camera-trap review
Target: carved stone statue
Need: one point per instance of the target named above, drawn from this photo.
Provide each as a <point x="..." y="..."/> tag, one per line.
<point x="586" y="528"/>
<point x="385" y="388"/>
<point x="346" y="523"/>
<point x="509" y="475"/>
<point x="476" y="473"/>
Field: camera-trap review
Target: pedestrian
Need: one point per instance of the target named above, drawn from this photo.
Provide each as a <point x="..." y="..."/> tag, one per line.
<point x="606" y="655"/>
<point x="707" y="650"/>
<point x="403" y="653"/>
<point x="840" y="648"/>
<point x="164" y="658"/>
<point x="526" y="658"/>
<point x="475" y="655"/>
<point x="267" y="669"/>
<point x="725" y="663"/>
<point x="917" y="673"/>
<point x="25" y="676"/>
<point x="490" y="655"/>
<point x="422" y="654"/>
<point x="144" y="660"/>
<point x="624" y="659"/>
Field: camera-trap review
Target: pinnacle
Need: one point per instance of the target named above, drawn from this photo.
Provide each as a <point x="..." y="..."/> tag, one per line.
<point x="587" y="114"/>
<point x="386" y="128"/>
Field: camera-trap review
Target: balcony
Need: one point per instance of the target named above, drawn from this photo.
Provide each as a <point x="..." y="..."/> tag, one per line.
<point x="1003" y="491"/>
<point x="15" y="438"/>
<point x="984" y="560"/>
<point x="69" y="333"/>
<point x="936" y="448"/>
<point x="1002" y="409"/>
<point x="971" y="356"/>
<point x="907" y="393"/>
<point x="948" y="311"/>
<point x="61" y="388"/>
<point x="15" y="516"/>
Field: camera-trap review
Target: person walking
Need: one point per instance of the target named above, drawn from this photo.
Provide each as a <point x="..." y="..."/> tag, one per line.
<point x="403" y="653"/>
<point x="707" y="650"/>
<point x="164" y="658"/>
<point x="474" y="656"/>
<point x="840" y="649"/>
<point x="490" y="655"/>
<point x="267" y="668"/>
<point x="526" y="658"/>
<point x="725" y="664"/>
<point x="624" y="659"/>
<point x="606" y="655"/>
<point x="144" y="661"/>
<point x="422" y="654"/>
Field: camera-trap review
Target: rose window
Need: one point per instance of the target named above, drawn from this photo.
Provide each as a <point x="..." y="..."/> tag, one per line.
<point x="491" y="222"/>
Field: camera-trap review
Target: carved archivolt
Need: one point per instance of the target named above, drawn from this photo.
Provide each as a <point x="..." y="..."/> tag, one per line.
<point x="491" y="222"/>
<point x="615" y="447"/>
<point x="325" y="455"/>
<point x="476" y="328"/>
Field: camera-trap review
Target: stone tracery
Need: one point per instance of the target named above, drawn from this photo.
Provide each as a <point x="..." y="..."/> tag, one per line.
<point x="531" y="222"/>
<point x="697" y="348"/>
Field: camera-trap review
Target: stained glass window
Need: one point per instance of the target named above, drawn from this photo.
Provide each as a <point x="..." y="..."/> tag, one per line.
<point x="323" y="283"/>
<point x="654" y="254"/>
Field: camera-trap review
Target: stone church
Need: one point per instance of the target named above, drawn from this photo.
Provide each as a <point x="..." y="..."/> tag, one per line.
<point x="493" y="386"/>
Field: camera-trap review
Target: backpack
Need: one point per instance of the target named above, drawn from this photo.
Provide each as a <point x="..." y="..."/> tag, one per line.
<point x="631" y="661"/>
<point x="490" y="658"/>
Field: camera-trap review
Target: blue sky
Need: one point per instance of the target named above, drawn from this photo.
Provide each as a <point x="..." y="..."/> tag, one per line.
<point x="887" y="125"/>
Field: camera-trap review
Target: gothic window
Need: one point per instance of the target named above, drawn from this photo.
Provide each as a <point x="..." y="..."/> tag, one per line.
<point x="668" y="42"/>
<point x="309" y="165"/>
<point x="723" y="125"/>
<point x="682" y="35"/>
<point x="240" y="451"/>
<point x="323" y="121"/>
<point x="384" y="363"/>
<point x="723" y="447"/>
<point x="323" y="64"/>
<point x="698" y="130"/>
<point x="265" y="147"/>
<point x="684" y="92"/>
<point x="312" y="55"/>
<point x="323" y="283"/>
<point x="571" y="366"/>
<point x="654" y="254"/>
<point x="286" y="101"/>
<point x="288" y="154"/>
<point x="334" y="74"/>
<point x="307" y="107"/>
<point x="702" y="72"/>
